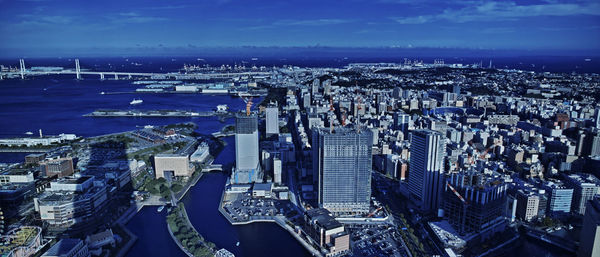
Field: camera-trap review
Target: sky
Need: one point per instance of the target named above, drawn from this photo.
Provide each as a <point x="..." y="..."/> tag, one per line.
<point x="35" y="26"/>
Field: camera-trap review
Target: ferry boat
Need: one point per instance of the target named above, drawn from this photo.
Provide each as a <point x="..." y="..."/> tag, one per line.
<point x="160" y="208"/>
<point x="237" y="244"/>
<point x="136" y="101"/>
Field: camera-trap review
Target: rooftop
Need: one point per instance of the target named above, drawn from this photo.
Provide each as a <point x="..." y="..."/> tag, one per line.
<point x="323" y="217"/>
<point x="64" y="246"/>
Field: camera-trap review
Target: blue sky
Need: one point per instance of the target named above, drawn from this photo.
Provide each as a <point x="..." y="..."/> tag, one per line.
<point x="27" y="25"/>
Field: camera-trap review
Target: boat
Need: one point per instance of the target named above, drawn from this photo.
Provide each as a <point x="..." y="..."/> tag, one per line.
<point x="136" y="101"/>
<point x="588" y="60"/>
<point x="102" y="92"/>
<point x="237" y="244"/>
<point x="160" y="208"/>
<point x="28" y="133"/>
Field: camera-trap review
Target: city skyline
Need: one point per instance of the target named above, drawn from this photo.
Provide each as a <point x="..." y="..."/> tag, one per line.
<point x="30" y="27"/>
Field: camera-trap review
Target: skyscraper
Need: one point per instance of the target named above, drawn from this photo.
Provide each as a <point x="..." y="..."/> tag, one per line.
<point x="247" y="169"/>
<point x="425" y="177"/>
<point x="401" y="122"/>
<point x="272" y="120"/>
<point x="590" y="231"/>
<point x="315" y="87"/>
<point x="342" y="161"/>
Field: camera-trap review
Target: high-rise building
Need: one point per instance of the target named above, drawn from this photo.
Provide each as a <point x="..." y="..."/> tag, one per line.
<point x="247" y="168"/>
<point x="585" y="187"/>
<point x="589" y="244"/>
<point x="401" y="122"/>
<point x="559" y="199"/>
<point x="475" y="203"/>
<point x="315" y="87"/>
<point x="342" y="162"/>
<point x="456" y="89"/>
<point x="597" y="117"/>
<point x="272" y="120"/>
<point x="425" y="177"/>
<point x="527" y="205"/>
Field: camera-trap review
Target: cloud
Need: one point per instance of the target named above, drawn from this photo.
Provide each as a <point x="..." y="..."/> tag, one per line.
<point x="29" y="19"/>
<point x="134" y="17"/>
<point x="503" y="11"/>
<point x="166" y="7"/>
<point x="310" y="22"/>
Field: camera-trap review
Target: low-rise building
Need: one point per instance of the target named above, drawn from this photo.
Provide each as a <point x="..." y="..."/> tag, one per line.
<point x="177" y="165"/>
<point x="327" y="231"/>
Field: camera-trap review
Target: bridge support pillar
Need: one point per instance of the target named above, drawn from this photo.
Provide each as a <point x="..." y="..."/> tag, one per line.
<point x="116" y="76"/>
<point x="77" y="69"/>
<point x="22" y="65"/>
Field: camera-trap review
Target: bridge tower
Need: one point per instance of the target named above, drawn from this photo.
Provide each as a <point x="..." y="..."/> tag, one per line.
<point x="22" y="64"/>
<point x="77" y="69"/>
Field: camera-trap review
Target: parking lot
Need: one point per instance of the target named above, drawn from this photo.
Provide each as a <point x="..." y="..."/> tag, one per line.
<point x="242" y="207"/>
<point x="376" y="240"/>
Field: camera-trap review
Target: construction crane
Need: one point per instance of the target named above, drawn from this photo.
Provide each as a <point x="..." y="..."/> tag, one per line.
<point x="464" y="205"/>
<point x="373" y="213"/>
<point x="249" y="103"/>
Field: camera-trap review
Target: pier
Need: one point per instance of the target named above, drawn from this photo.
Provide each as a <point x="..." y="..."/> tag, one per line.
<point x="155" y="113"/>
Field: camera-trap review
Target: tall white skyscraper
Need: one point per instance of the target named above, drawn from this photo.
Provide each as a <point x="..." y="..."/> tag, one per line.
<point x="425" y="178"/>
<point x="272" y="120"/>
<point x="247" y="168"/>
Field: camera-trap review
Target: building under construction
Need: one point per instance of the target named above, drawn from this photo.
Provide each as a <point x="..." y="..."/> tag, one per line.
<point x="475" y="203"/>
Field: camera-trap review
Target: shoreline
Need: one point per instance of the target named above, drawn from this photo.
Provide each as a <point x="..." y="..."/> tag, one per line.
<point x="279" y="220"/>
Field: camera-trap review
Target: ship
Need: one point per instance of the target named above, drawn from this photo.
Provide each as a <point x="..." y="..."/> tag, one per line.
<point x="136" y="101"/>
<point x="160" y="208"/>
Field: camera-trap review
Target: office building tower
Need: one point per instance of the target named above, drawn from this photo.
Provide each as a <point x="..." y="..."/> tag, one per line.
<point x="342" y="162"/>
<point x="456" y="89"/>
<point x="315" y="87"/>
<point x="425" y="177"/>
<point x="585" y="187"/>
<point x="401" y="122"/>
<point x="272" y="120"/>
<point x="589" y="241"/>
<point x="397" y="93"/>
<point x="475" y="203"/>
<point x="597" y="117"/>
<point x="527" y="205"/>
<point x="247" y="168"/>
<point x="559" y="199"/>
